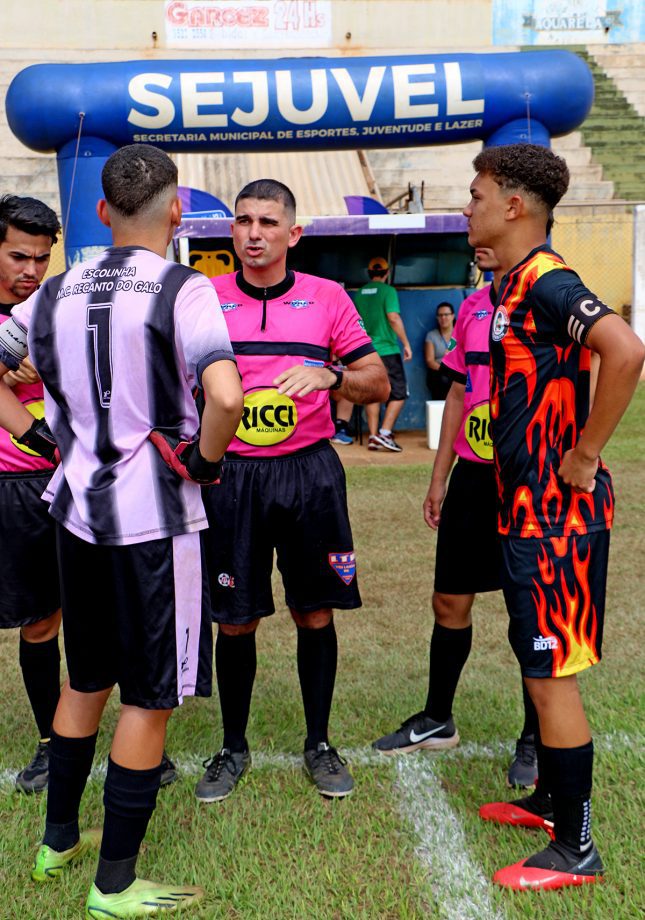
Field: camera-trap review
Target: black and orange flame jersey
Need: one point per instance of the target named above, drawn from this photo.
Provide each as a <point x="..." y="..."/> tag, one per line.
<point x="540" y="376"/>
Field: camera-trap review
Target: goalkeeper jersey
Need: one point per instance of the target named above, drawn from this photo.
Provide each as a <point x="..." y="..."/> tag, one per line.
<point x="119" y="342"/>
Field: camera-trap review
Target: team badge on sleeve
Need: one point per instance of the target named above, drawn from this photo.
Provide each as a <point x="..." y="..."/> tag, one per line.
<point x="344" y="565"/>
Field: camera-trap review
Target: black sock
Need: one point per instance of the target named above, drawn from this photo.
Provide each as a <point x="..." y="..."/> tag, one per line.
<point x="70" y="762"/>
<point x="341" y="425"/>
<point x="235" y="663"/>
<point x="570" y="773"/>
<point x="531" y="726"/>
<point x="317" y="661"/>
<point x="40" y="665"/>
<point x="129" y="797"/>
<point x="449" y="651"/>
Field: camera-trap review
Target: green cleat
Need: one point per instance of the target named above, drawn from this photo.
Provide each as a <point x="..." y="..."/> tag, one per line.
<point x="140" y="899"/>
<point x="50" y="863"/>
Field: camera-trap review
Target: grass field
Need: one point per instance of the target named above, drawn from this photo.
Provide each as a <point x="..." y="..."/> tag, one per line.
<point x="408" y="844"/>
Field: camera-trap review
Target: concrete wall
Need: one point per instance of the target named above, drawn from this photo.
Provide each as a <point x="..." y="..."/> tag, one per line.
<point x="600" y="247"/>
<point x="357" y="27"/>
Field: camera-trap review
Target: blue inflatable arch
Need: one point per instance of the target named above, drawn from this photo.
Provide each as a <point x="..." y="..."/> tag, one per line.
<point x="86" y="111"/>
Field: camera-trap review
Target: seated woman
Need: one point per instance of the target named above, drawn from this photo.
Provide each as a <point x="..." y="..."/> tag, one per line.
<point x="436" y="345"/>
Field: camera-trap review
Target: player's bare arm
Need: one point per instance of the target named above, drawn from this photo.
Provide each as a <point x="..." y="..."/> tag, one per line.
<point x="452" y="414"/>
<point x="621" y="355"/>
<point x="13" y="415"/>
<point x="395" y="321"/>
<point x="222" y="410"/>
<point x="364" y="380"/>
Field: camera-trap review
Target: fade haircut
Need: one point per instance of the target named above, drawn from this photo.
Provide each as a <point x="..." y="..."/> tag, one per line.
<point x="29" y="215"/>
<point x="528" y="167"/>
<point x="135" y="176"/>
<point x="270" y="190"/>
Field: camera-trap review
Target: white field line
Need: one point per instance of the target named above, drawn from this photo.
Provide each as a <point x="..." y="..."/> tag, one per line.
<point x="192" y="764"/>
<point x="458" y="884"/>
<point x="460" y="888"/>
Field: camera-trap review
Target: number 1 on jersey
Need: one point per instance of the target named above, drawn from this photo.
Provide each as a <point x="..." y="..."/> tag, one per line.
<point x="99" y="323"/>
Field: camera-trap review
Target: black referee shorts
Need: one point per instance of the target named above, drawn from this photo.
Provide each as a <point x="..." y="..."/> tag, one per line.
<point x="295" y="505"/>
<point x="468" y="559"/>
<point x="30" y="587"/>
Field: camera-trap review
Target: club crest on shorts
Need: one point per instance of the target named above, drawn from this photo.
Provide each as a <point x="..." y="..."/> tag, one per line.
<point x="344" y="565"/>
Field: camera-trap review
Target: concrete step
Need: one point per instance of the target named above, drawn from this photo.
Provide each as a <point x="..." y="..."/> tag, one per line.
<point x="620" y="61"/>
<point x="435" y="177"/>
<point x="581" y="191"/>
<point x="27" y="165"/>
<point x="456" y="197"/>
<point x="630" y="79"/>
<point x="46" y="183"/>
<point x="423" y="158"/>
<point x="575" y="156"/>
<point x="568" y="141"/>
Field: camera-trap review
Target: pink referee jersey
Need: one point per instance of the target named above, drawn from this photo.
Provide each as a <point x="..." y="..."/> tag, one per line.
<point x="119" y="343"/>
<point x="302" y="320"/>
<point x="14" y="457"/>
<point x="469" y="363"/>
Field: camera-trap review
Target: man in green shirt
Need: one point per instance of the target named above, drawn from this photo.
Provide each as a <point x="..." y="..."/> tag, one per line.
<point x="378" y="304"/>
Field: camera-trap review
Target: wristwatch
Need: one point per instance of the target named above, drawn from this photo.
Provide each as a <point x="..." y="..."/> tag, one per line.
<point x="338" y="374"/>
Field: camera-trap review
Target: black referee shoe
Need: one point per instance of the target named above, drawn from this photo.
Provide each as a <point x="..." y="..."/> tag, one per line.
<point x="419" y="731"/>
<point x="168" y="771"/>
<point x="329" y="772"/>
<point x="222" y="775"/>
<point x="35" y="776"/>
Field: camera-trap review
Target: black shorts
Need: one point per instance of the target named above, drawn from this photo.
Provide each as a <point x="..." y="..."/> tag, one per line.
<point x="30" y="586"/>
<point x="469" y="559"/>
<point x="137" y="616"/>
<point x="394" y="367"/>
<point x="295" y="504"/>
<point x="555" y="595"/>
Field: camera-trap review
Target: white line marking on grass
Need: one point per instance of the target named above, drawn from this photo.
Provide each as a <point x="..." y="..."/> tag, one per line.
<point x="460" y="888"/>
<point x="192" y="764"/>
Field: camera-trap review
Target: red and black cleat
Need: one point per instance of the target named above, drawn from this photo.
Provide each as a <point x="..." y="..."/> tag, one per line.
<point x="509" y="813"/>
<point x="552" y="868"/>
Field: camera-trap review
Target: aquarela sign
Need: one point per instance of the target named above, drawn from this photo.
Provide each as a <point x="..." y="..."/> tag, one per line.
<point x="86" y="111"/>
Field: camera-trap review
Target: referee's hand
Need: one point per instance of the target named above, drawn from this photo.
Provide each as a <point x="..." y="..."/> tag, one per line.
<point x="432" y="504"/>
<point x="300" y="380"/>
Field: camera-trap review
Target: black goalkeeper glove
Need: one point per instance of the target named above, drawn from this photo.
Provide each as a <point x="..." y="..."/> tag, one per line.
<point x="185" y="459"/>
<point x="39" y="438"/>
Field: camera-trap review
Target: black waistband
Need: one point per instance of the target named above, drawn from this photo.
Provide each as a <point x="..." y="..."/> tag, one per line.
<point x="323" y="444"/>
<point x="26" y="474"/>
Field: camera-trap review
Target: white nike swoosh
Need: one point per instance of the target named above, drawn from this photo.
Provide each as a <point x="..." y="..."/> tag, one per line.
<point x="529" y="883"/>
<point x="414" y="738"/>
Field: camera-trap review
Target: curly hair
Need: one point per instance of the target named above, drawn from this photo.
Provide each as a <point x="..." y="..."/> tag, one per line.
<point x="534" y="169"/>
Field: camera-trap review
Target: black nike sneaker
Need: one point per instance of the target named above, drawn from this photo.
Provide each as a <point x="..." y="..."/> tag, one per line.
<point x="523" y="771"/>
<point x="419" y="731"/>
<point x="35" y="776"/>
<point x="168" y="771"/>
